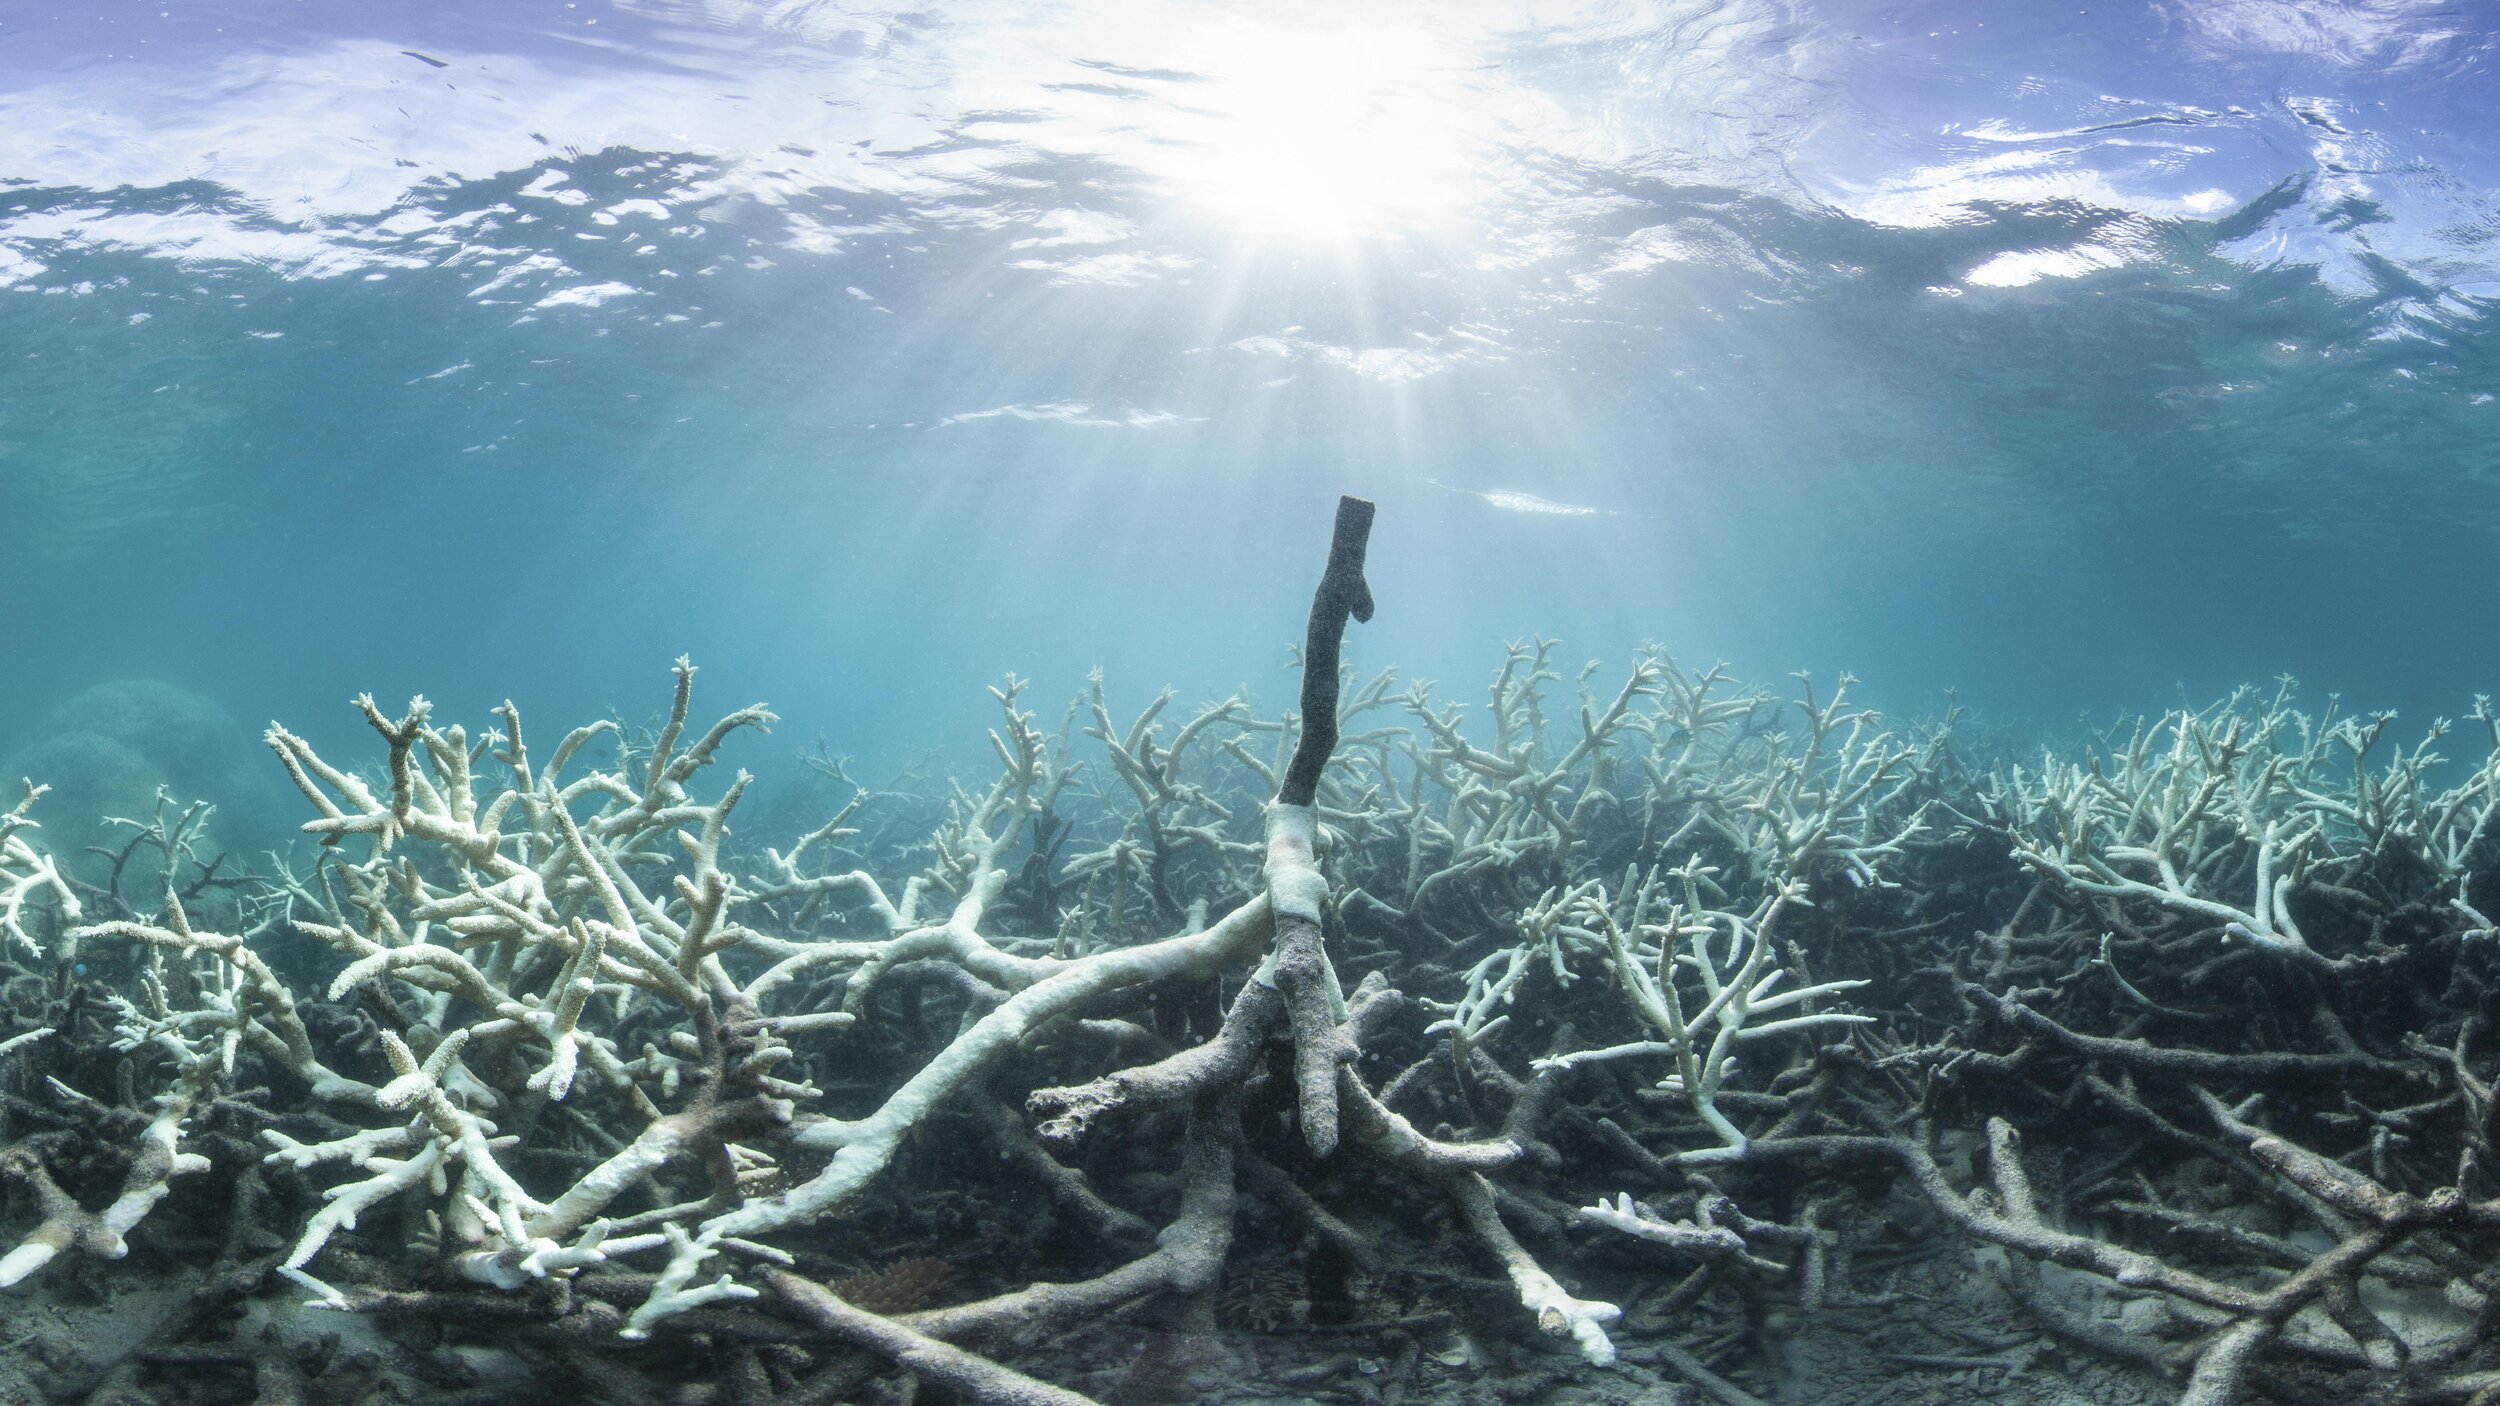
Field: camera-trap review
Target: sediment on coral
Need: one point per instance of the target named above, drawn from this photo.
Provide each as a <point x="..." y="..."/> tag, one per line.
<point x="1635" y="1028"/>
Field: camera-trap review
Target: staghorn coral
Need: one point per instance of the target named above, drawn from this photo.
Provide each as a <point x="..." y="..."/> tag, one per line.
<point x="1723" y="1008"/>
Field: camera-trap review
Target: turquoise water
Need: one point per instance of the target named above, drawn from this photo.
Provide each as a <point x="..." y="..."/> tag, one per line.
<point x="2066" y="360"/>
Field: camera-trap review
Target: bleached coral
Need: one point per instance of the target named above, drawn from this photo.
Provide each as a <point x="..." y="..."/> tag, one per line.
<point x="1660" y="948"/>
<point x="522" y="921"/>
<point x="29" y="879"/>
<point x="590" y="1044"/>
<point x="2217" y="817"/>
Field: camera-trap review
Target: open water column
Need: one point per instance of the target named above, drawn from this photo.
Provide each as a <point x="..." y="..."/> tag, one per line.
<point x="1142" y="702"/>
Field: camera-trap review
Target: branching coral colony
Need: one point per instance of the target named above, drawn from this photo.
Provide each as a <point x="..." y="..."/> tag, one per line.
<point x="1756" y="1018"/>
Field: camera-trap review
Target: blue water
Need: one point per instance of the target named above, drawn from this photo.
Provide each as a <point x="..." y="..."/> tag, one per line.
<point x="2068" y="357"/>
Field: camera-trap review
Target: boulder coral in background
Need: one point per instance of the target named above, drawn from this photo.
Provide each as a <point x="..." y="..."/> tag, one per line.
<point x="106" y="751"/>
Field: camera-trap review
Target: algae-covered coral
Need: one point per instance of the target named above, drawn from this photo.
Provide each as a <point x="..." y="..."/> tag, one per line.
<point x="1653" y="1034"/>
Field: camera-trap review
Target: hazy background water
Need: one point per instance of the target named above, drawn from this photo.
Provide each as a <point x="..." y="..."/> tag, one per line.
<point x="2065" y="355"/>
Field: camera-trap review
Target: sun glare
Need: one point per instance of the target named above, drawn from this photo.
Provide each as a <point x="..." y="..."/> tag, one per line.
<point x="1355" y="134"/>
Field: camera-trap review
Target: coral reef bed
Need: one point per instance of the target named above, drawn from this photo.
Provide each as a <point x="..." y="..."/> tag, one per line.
<point x="1657" y="1040"/>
